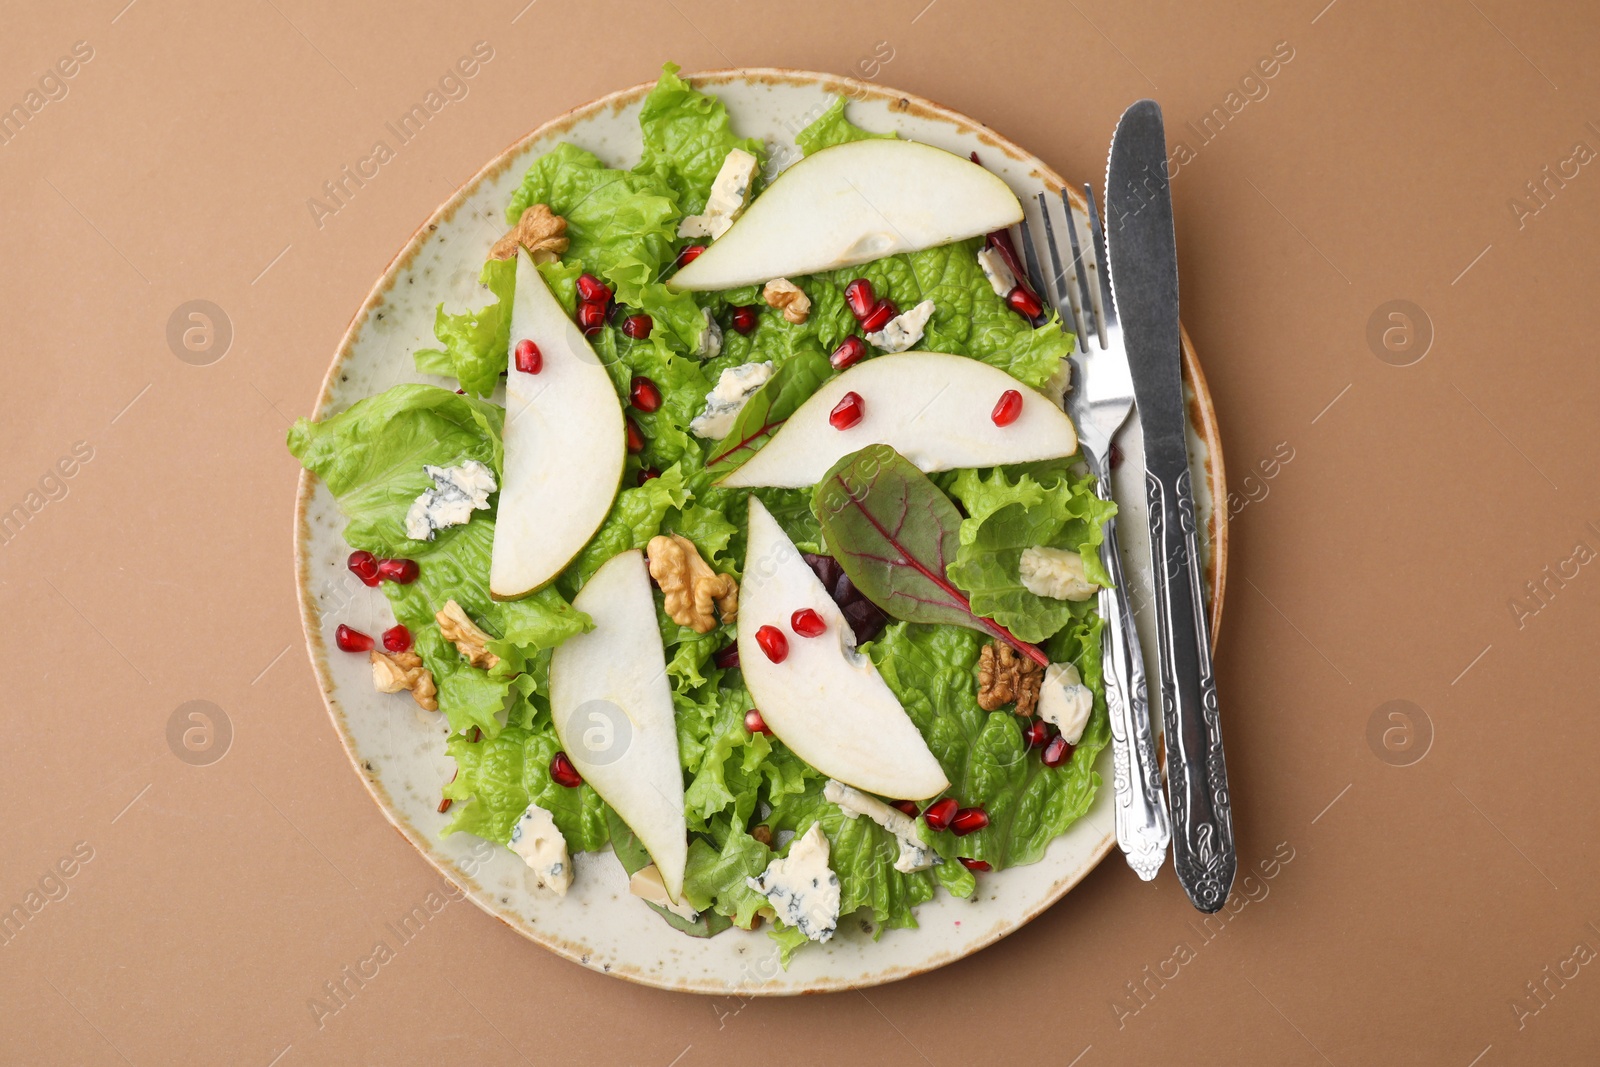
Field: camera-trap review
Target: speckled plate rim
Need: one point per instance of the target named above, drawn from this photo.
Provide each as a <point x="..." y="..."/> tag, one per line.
<point x="1201" y="412"/>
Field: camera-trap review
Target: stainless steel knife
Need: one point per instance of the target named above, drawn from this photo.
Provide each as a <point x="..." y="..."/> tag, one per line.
<point x="1143" y="264"/>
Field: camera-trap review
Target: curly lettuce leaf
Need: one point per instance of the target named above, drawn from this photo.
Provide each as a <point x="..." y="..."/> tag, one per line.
<point x="686" y="136"/>
<point x="498" y="777"/>
<point x="475" y="340"/>
<point x="833" y="128"/>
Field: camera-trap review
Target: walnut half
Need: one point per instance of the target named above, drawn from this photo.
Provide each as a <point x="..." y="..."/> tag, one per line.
<point x="394" y="671"/>
<point x="1006" y="677"/>
<point x="691" y="588"/>
<point x="540" y="231"/>
<point x="459" y="629"/>
<point x="784" y="294"/>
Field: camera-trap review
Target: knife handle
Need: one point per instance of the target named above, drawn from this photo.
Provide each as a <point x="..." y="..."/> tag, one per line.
<point x="1203" y="853"/>
<point x="1143" y="831"/>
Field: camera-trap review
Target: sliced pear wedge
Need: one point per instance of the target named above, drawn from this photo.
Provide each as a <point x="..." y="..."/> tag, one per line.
<point x="564" y="445"/>
<point x="825" y="700"/>
<point x="611" y="704"/>
<point x="934" y="409"/>
<point x="853" y="203"/>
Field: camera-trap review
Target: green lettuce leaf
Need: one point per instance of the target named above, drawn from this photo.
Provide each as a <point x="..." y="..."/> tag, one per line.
<point x="833" y="128"/>
<point x="498" y="777"/>
<point x="634" y="857"/>
<point x="475" y="341"/>
<point x="686" y="136"/>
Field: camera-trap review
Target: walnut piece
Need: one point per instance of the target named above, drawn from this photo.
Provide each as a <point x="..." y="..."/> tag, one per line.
<point x="540" y="231"/>
<point x="689" y="584"/>
<point x="1007" y="677"/>
<point x="762" y="833"/>
<point x="394" y="671"/>
<point x="459" y="629"/>
<point x="782" y="293"/>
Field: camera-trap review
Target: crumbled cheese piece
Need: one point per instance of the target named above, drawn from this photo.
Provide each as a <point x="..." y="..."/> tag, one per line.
<point x="914" y="855"/>
<point x="457" y="492"/>
<point x="802" y="889"/>
<point x="1065" y="701"/>
<point x="729" y="193"/>
<point x="646" y="884"/>
<point x="904" y="330"/>
<point x="723" y="404"/>
<point x="710" y="338"/>
<point x="535" y="838"/>
<point x="1056" y="573"/>
<point x="1001" y="279"/>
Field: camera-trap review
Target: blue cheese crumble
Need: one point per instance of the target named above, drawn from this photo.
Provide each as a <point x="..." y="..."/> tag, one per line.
<point x="535" y="838"/>
<point x="457" y="492"/>
<point x="729" y="193"/>
<point x="802" y="889"/>
<point x="904" y="330"/>
<point x="723" y="404"/>
<point x="914" y="855"/>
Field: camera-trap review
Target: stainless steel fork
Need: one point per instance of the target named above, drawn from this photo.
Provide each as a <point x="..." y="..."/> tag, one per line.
<point x="1099" y="401"/>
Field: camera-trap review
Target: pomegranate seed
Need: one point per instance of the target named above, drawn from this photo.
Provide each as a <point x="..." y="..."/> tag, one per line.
<point x="727" y="657"/>
<point x="397" y="638"/>
<point x="1024" y="303"/>
<point x="562" y="772"/>
<point x="1056" y="752"/>
<point x="529" y="359"/>
<point x="807" y="623"/>
<point x="755" y="723"/>
<point x="1035" y="733"/>
<point x="350" y="640"/>
<point x="646" y="473"/>
<point x="939" y="813"/>
<point x="975" y="865"/>
<point x="638" y="326"/>
<point x="847" y="412"/>
<point x="635" y="437"/>
<point x="644" y="394"/>
<point x="401" y="571"/>
<point x="1116" y="456"/>
<point x="591" y="317"/>
<point x="688" y="255"/>
<point x="969" y="819"/>
<point x="862" y="300"/>
<point x="744" y="318"/>
<point x="880" y="316"/>
<point x="592" y="290"/>
<point x="908" y="807"/>
<point x="850" y="350"/>
<point x="444" y="805"/>
<point x="1007" y="408"/>
<point x="773" y="643"/>
<point x="364" y="565"/>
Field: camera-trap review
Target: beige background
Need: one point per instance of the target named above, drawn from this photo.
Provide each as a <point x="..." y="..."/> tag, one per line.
<point x="1409" y="905"/>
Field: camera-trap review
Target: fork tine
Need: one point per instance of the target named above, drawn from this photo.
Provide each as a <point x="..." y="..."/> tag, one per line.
<point x="1030" y="260"/>
<point x="1091" y="320"/>
<point x="1107" y="304"/>
<point x="1064" y="293"/>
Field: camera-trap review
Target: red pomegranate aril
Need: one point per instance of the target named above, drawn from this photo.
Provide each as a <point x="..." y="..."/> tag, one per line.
<point x="364" y="565"/>
<point x="906" y="807"/>
<point x="1007" y="408"/>
<point x="644" y="394"/>
<point x="401" y="571"/>
<point x="350" y="640"/>
<point x="850" y="350"/>
<point x="529" y="359"/>
<point x="1056" y="752"/>
<point x="638" y="326"/>
<point x="1035" y="733"/>
<point x="807" y="623"/>
<point x="635" y="437"/>
<point x="591" y="317"/>
<point x="879" y="316"/>
<point x="727" y="657"/>
<point x="744" y="318"/>
<point x="592" y="290"/>
<point x="646" y="473"/>
<point x="939" y="813"/>
<point x="773" y="643"/>
<point x="975" y="865"/>
<point x="688" y="255"/>
<point x="562" y="772"/>
<point x="847" y="412"/>
<point x="968" y="820"/>
<point x="1024" y="303"/>
<point x="397" y="638"/>
<point x="755" y="723"/>
<point x="859" y="295"/>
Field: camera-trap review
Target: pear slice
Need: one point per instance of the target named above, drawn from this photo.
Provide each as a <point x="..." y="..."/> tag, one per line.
<point x="826" y="701"/>
<point x="564" y="445"/>
<point x="853" y="203"/>
<point x="611" y="704"/>
<point x="934" y="409"/>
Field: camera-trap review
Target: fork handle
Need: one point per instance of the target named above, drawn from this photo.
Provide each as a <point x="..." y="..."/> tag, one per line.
<point x="1143" y="831"/>
<point x="1203" y="853"/>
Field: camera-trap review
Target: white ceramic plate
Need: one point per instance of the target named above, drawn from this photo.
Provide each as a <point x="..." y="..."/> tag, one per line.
<point x="399" y="749"/>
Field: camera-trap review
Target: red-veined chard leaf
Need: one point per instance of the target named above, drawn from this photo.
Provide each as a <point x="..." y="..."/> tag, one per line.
<point x="894" y="533"/>
<point x="769" y="408"/>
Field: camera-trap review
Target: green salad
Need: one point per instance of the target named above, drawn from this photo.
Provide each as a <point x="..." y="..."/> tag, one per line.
<point x="949" y="637"/>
